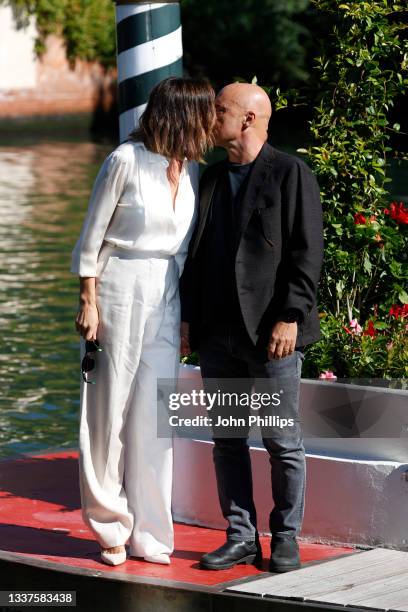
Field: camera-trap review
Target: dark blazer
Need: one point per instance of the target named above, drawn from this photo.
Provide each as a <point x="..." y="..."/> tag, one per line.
<point x="280" y="248"/>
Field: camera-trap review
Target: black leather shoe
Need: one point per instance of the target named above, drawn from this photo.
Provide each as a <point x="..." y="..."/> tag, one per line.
<point x="284" y="554"/>
<point x="231" y="553"/>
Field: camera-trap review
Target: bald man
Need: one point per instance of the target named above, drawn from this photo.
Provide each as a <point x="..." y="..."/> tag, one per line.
<point x="248" y="298"/>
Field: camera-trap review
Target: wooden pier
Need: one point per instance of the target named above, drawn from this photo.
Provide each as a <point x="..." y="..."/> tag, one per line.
<point x="44" y="545"/>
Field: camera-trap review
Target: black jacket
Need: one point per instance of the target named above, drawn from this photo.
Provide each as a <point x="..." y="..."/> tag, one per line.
<point x="280" y="248"/>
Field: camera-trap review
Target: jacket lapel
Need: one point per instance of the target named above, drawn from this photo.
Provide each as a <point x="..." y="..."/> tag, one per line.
<point x="257" y="177"/>
<point x="206" y="197"/>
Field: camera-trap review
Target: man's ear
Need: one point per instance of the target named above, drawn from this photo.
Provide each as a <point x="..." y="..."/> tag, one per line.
<point x="249" y="119"/>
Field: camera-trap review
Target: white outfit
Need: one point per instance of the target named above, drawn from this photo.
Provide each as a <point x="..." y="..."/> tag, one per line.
<point x="135" y="244"/>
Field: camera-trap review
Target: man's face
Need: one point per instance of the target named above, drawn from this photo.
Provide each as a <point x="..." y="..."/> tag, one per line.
<point x="230" y="115"/>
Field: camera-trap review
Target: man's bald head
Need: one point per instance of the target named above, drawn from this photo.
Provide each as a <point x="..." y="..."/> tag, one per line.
<point x="249" y="97"/>
<point x="243" y="113"/>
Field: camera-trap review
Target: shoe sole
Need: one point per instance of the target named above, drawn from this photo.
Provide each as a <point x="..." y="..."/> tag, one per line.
<point x="249" y="560"/>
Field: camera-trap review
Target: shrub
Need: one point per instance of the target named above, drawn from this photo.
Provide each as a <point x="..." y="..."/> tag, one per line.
<point x="362" y="71"/>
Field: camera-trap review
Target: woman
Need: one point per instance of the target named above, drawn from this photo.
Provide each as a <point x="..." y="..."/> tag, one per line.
<point x="129" y="258"/>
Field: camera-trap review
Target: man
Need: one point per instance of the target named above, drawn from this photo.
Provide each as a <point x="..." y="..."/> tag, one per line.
<point x="248" y="296"/>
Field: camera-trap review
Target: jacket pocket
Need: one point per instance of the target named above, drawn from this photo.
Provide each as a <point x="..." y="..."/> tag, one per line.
<point x="265" y="216"/>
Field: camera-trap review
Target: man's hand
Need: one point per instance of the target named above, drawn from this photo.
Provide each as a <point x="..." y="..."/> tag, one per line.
<point x="282" y="340"/>
<point x="185" y="339"/>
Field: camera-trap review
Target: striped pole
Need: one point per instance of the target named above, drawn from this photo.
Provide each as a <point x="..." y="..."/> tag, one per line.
<point x="149" y="49"/>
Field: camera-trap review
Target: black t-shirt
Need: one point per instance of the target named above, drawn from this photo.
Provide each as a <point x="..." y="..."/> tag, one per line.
<point x="237" y="174"/>
<point x="220" y="297"/>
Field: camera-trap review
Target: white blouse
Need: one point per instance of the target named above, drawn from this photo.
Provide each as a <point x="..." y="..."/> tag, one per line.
<point x="131" y="207"/>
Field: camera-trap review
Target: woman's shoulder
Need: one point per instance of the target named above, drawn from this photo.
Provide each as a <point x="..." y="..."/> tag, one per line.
<point x="128" y="150"/>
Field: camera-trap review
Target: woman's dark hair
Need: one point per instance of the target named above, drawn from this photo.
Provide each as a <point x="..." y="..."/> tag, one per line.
<point x="178" y="119"/>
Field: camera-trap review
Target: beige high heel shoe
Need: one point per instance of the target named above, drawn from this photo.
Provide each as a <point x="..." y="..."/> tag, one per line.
<point x="161" y="558"/>
<point x="113" y="558"/>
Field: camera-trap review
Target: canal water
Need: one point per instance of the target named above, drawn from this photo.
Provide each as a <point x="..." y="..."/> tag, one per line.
<point x="44" y="190"/>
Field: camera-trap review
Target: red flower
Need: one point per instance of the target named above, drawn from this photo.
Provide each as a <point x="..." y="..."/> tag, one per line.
<point x="347" y="329"/>
<point x="398" y="212"/>
<point x="359" y="219"/>
<point x="370" y="330"/>
<point x="394" y="311"/>
<point x="398" y="311"/>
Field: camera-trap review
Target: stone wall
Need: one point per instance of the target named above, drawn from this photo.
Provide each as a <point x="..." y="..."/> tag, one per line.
<point x="48" y="85"/>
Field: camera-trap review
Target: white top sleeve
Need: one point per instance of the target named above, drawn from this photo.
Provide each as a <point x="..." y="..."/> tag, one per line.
<point x="106" y="193"/>
<point x="182" y="254"/>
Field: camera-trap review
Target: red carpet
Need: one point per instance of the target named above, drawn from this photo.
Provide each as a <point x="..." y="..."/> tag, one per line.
<point x="41" y="517"/>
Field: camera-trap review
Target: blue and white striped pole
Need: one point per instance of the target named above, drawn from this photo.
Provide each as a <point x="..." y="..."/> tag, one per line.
<point x="149" y="49"/>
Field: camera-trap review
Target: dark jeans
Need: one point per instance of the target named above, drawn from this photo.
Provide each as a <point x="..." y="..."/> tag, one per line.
<point x="231" y="354"/>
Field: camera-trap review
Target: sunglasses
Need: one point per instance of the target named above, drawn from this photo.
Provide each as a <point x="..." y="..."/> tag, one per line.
<point x="88" y="362"/>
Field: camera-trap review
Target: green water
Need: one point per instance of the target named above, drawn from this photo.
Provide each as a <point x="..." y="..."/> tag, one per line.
<point x="44" y="189"/>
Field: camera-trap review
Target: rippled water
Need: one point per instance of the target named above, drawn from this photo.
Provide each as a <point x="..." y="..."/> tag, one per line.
<point x="44" y="190"/>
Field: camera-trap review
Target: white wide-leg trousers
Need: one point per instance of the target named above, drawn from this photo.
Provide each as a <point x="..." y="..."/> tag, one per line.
<point x="125" y="469"/>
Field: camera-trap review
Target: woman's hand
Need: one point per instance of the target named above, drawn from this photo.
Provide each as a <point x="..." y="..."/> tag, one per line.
<point x="87" y="319"/>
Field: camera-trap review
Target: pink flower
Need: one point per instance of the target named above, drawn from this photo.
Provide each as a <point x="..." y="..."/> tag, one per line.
<point x="355" y="327"/>
<point x="327" y="375"/>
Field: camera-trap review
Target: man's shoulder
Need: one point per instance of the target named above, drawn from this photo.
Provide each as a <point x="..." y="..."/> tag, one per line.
<point x="287" y="160"/>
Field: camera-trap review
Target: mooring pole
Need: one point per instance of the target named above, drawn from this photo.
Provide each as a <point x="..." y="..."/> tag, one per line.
<point x="149" y="49"/>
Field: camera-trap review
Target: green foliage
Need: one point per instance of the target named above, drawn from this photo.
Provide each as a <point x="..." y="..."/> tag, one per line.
<point x="222" y="40"/>
<point x="351" y="353"/>
<point x="87" y="26"/>
<point x="363" y="69"/>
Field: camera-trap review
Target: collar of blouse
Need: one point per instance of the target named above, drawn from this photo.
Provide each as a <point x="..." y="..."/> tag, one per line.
<point x="156" y="158"/>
